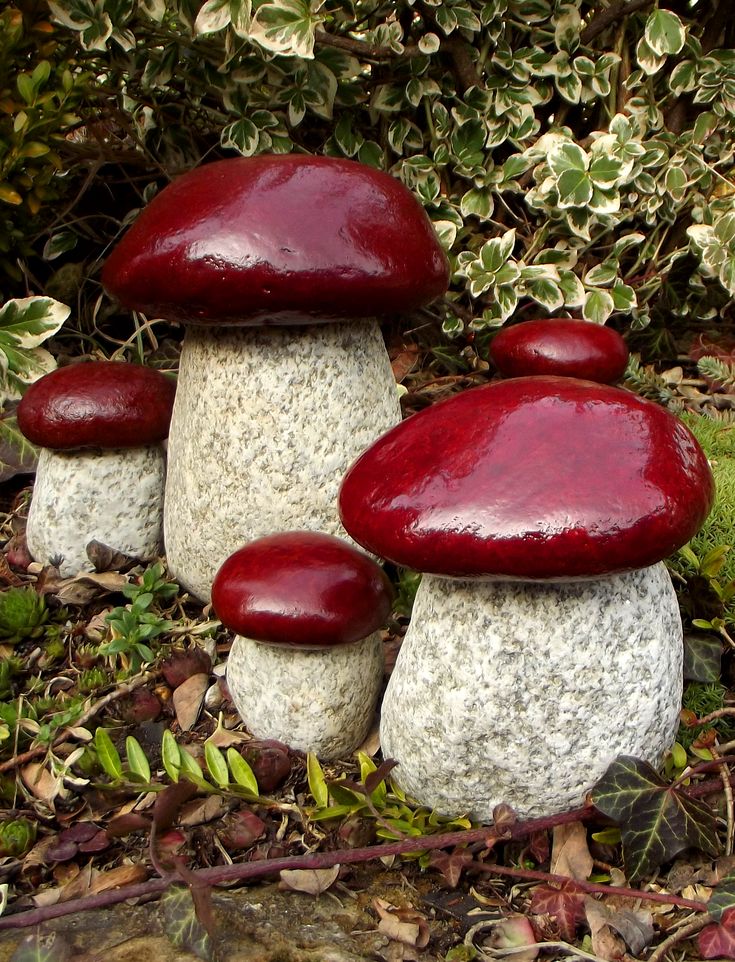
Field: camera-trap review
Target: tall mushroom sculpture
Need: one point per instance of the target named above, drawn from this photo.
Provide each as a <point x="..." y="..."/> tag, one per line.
<point x="279" y="265"/>
<point x="546" y="639"/>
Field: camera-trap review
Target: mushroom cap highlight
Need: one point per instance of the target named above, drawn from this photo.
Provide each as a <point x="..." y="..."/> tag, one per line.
<point x="285" y="239"/>
<point x="97" y="404"/>
<point x="530" y="479"/>
<point x="560" y="346"/>
<point x="301" y="589"/>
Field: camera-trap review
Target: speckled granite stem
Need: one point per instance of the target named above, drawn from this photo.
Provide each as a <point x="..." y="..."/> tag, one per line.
<point x="314" y="701"/>
<point x="113" y="496"/>
<point x="524" y="693"/>
<point x="265" y="424"/>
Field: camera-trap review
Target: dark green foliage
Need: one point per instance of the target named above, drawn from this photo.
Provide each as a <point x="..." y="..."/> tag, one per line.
<point x="657" y="821"/>
<point x="23" y="614"/>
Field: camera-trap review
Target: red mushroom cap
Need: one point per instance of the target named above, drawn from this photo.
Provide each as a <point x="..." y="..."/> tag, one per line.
<point x="537" y="478"/>
<point x="303" y="589"/>
<point x="277" y="239"/>
<point x="560" y="346"/>
<point x="99" y="404"/>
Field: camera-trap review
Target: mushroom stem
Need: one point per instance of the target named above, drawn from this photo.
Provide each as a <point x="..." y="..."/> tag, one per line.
<point x="318" y="701"/>
<point x="524" y="693"/>
<point x="114" y="496"/>
<point x="266" y="421"/>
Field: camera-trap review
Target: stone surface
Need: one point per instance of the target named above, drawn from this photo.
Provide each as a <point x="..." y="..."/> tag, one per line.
<point x="265" y="423"/>
<point x="99" y="404"/>
<point x="279" y="239"/>
<point x="314" y="701"/>
<point x="258" y="923"/>
<point x="302" y="588"/>
<point x="560" y="346"/>
<point x="534" y="478"/>
<point x="114" y="496"/>
<point x="524" y="693"/>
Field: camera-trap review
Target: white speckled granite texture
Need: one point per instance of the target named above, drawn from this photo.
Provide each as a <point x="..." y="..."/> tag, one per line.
<point x="265" y="424"/>
<point x="314" y="701"/>
<point x="113" y="496"/>
<point x="524" y="693"/>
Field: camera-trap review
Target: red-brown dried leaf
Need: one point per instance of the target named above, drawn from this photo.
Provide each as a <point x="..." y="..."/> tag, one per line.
<point x="270" y="762"/>
<point x="451" y="864"/>
<point x="718" y="940"/>
<point x="181" y="665"/>
<point x="564" y="902"/>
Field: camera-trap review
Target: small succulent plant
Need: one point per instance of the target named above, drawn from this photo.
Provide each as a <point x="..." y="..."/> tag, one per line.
<point x="17" y="835"/>
<point x="23" y="614"/>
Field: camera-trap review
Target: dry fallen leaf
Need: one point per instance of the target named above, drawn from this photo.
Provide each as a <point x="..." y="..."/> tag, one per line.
<point x="40" y="782"/>
<point x="402" y="925"/>
<point x="202" y="810"/>
<point x="313" y="881"/>
<point x="188" y="698"/>
<point x="80" y="589"/>
<point x="605" y="943"/>
<point x="570" y="855"/>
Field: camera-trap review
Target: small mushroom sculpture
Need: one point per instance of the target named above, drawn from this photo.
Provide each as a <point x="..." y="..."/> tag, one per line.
<point x="278" y="265"/>
<point x="561" y="346"/>
<point x="306" y="665"/>
<point x="101" y="470"/>
<point x="546" y="638"/>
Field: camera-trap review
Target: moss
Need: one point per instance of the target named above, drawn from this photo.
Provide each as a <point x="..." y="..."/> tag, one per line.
<point x="718" y="442"/>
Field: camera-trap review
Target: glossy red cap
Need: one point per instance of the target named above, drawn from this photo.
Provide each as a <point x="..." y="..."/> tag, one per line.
<point x="560" y="346"/>
<point x="98" y="404"/>
<point x="538" y="478"/>
<point x="278" y="239"/>
<point x="303" y="589"/>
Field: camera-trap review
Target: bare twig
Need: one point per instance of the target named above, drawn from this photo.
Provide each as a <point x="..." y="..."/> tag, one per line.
<point x="605" y="18"/>
<point x="685" y="932"/>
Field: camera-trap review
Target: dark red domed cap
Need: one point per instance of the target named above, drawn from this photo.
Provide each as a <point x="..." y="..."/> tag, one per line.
<point x="99" y="404"/>
<point x="278" y="239"/>
<point x="560" y="346"/>
<point x="537" y="478"/>
<point x="301" y="588"/>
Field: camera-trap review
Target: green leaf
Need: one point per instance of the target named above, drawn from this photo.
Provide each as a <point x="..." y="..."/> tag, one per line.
<point x="170" y="755"/>
<point x="137" y="761"/>
<point x="286" y="27"/>
<point x="477" y="201"/>
<point x="17" y="454"/>
<point x="216" y="764"/>
<point x="722" y="898"/>
<point x="598" y="306"/>
<point x="317" y="782"/>
<point x="242" y="773"/>
<point x="107" y="754"/>
<point x="575" y="188"/>
<point x="567" y="156"/>
<point x="650" y="62"/>
<point x="494" y="253"/>
<point x="191" y="769"/>
<point x="702" y="657"/>
<point x="664" y="32"/>
<point x="182" y="925"/>
<point x="601" y="275"/>
<point x="656" y="820"/>
<point x="27" y="322"/>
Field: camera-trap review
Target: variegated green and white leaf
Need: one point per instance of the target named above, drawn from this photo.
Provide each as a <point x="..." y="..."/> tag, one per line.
<point x="664" y="32"/>
<point x="286" y="27"/>
<point x="598" y="306"/>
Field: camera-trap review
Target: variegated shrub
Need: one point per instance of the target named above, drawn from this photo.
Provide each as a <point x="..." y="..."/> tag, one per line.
<point x="575" y="155"/>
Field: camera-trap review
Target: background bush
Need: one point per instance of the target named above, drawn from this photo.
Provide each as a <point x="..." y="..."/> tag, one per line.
<point x="574" y="156"/>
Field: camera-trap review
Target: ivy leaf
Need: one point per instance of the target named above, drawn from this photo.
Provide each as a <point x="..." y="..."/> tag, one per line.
<point x="564" y="902"/>
<point x="42" y="948"/>
<point x="182" y="925"/>
<point x="722" y="899"/>
<point x="702" y="655"/>
<point x="718" y="941"/>
<point x="656" y="820"/>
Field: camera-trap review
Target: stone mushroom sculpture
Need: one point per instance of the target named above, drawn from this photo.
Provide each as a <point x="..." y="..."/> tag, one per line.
<point x="101" y="470"/>
<point x="279" y="266"/>
<point x="307" y="663"/>
<point x="546" y="639"/>
<point x="561" y="346"/>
